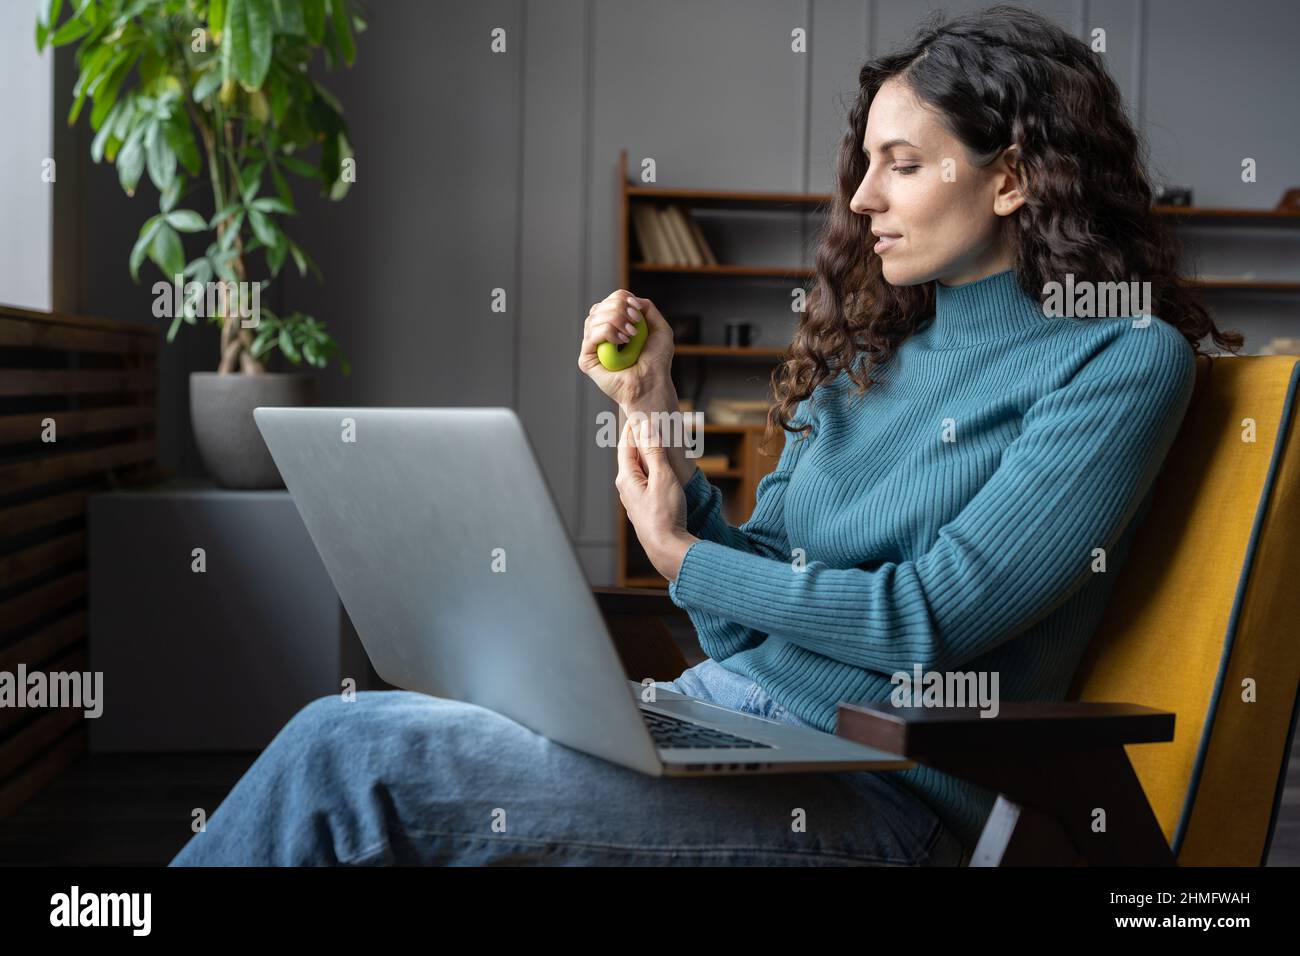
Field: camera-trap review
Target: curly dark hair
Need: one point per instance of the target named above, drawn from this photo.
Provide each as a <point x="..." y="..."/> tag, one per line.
<point x="994" y="78"/>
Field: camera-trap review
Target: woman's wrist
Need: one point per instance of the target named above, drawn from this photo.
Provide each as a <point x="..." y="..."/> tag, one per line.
<point x="660" y="398"/>
<point x="653" y="395"/>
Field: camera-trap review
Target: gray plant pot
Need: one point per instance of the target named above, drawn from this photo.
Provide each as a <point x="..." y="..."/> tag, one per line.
<point x="221" y="413"/>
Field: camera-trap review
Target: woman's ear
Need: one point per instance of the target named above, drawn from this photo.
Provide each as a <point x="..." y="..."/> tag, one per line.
<point x="1009" y="196"/>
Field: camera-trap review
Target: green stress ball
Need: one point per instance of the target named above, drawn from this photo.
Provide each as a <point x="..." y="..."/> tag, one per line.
<point x="615" y="356"/>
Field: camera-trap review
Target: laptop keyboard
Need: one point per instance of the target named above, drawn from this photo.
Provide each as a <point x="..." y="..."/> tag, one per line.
<point x="683" y="734"/>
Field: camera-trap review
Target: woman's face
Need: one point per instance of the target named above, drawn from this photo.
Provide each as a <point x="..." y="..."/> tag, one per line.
<point x="948" y="215"/>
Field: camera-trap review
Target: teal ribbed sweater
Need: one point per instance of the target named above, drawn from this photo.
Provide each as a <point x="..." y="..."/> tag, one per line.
<point x="974" y="553"/>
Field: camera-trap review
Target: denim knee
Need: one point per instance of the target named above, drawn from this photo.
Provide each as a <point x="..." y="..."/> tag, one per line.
<point x="326" y="712"/>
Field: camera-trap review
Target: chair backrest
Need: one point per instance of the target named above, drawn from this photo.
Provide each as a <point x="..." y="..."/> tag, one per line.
<point x="1204" y="618"/>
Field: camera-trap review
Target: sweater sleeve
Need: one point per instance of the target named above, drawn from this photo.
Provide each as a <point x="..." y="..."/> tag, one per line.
<point x="763" y="534"/>
<point x="1070" y="482"/>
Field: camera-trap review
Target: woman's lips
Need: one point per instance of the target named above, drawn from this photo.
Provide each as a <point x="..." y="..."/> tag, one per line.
<point x="885" y="243"/>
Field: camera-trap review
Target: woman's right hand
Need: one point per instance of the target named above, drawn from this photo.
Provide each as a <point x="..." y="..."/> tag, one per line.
<point x="609" y="321"/>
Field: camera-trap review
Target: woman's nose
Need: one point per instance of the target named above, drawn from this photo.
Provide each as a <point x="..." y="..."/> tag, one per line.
<point x="866" y="200"/>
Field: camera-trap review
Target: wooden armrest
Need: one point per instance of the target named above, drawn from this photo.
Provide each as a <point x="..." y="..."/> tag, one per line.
<point x="1025" y="727"/>
<point x="634" y="618"/>
<point x="1053" y="765"/>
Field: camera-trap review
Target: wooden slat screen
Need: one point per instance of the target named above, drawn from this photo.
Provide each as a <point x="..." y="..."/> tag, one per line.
<point x="96" y="380"/>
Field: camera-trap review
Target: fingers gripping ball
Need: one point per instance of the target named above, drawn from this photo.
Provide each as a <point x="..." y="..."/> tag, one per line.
<point x="615" y="356"/>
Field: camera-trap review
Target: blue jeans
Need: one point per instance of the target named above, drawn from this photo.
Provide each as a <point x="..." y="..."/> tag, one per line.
<point x="399" y="777"/>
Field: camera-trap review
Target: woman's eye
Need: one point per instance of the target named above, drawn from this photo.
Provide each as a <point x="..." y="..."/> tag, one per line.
<point x="906" y="170"/>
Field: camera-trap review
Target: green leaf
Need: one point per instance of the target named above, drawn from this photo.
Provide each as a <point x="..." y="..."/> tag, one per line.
<point x="186" y="220"/>
<point x="104" y="89"/>
<point x="100" y="142"/>
<point x="141" y="247"/>
<point x="281" y="185"/>
<point x="166" y="251"/>
<point x="263" y="227"/>
<point x="73" y="29"/>
<point x="343" y="31"/>
<point x="159" y="158"/>
<point x="130" y="164"/>
<point x="288" y="348"/>
<point x="249" y="35"/>
<point x="275" y="256"/>
<point x="126" y="117"/>
<point x="303" y="261"/>
<point x="289" y="18"/>
<point x="250" y="180"/>
<point x="207" y="84"/>
<point x="232" y="230"/>
<point x="278" y="90"/>
<point x="313" y="15"/>
<point x="93" y="66"/>
<point x="271" y="204"/>
<point x="199" y="269"/>
<point x="222" y="213"/>
<point x="216" y="17"/>
<point x="79" y="98"/>
<point x="296" y="165"/>
<point x="223" y="267"/>
<point x="339" y="188"/>
<point x="180" y="137"/>
<point x="171" y="195"/>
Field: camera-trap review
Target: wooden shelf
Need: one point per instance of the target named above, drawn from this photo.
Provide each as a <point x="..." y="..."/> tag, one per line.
<point x="760" y="272"/>
<point x="1244" y="285"/>
<point x="645" y="581"/>
<point x="730" y="351"/>
<point x="1284" y="217"/>
<point x="735" y="429"/>
<point x="724" y="199"/>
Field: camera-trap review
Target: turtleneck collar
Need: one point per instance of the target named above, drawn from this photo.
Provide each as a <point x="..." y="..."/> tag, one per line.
<point x="987" y="310"/>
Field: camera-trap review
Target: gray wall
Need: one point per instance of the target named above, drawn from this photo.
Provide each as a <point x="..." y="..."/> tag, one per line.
<point x="479" y="170"/>
<point x="26" y="141"/>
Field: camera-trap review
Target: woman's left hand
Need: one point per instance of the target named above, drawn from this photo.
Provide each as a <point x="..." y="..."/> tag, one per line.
<point x="652" y="497"/>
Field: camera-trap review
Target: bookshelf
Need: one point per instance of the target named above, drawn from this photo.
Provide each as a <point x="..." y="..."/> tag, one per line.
<point x="746" y="464"/>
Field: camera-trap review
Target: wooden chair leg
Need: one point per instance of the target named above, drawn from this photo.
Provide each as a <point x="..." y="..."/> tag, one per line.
<point x="1016" y="835"/>
<point x="1045" y="796"/>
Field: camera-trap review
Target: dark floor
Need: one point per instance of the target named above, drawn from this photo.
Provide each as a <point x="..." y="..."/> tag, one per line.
<point x="118" y="809"/>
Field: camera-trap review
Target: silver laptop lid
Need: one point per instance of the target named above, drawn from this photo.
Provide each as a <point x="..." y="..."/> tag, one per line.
<point x="438" y="530"/>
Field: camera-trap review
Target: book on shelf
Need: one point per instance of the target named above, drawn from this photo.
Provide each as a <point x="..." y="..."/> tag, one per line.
<point x="676" y="252"/>
<point x="705" y="249"/>
<point x="737" y="411"/>
<point x="709" y="464"/>
<point x="676" y="220"/>
<point x="670" y="236"/>
<point x="646" y="226"/>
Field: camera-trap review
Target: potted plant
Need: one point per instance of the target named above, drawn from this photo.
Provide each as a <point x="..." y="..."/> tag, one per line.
<point x="214" y="102"/>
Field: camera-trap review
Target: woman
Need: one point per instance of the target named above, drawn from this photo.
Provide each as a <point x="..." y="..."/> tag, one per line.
<point x="963" y="509"/>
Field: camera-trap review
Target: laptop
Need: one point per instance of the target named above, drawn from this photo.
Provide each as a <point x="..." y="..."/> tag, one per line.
<point x="438" y="529"/>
